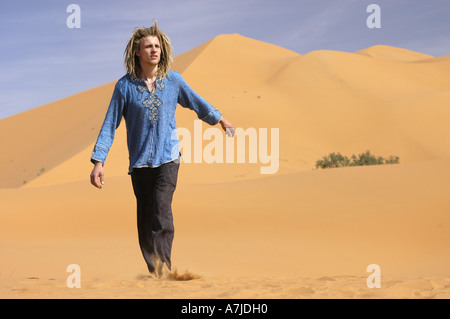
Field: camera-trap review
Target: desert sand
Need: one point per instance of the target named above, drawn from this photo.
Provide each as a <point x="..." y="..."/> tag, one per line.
<point x="298" y="233"/>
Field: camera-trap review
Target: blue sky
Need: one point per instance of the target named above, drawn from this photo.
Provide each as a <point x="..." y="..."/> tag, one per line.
<point x="42" y="60"/>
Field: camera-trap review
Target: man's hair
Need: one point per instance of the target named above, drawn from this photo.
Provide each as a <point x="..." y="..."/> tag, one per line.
<point x="132" y="62"/>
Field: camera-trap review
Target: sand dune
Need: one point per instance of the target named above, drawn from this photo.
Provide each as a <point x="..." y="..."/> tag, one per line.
<point x="300" y="233"/>
<point x="392" y="53"/>
<point x="335" y="101"/>
<point x="313" y="228"/>
<point x="37" y="140"/>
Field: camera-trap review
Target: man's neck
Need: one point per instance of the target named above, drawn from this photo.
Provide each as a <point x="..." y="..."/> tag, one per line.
<point x="149" y="71"/>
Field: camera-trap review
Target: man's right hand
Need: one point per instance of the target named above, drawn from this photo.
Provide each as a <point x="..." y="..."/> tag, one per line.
<point x="97" y="174"/>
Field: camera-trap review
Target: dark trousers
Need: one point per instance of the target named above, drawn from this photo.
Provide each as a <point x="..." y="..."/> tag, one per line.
<point x="154" y="188"/>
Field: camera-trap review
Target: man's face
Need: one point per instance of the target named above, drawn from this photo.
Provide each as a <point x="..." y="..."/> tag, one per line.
<point x="150" y="51"/>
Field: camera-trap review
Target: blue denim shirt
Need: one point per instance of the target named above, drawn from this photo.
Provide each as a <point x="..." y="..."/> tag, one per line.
<point x="150" y="119"/>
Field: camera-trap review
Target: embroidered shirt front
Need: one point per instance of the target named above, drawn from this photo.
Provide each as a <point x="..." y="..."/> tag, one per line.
<point x="150" y="119"/>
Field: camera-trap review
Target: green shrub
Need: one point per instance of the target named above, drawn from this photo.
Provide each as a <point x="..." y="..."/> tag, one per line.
<point x="333" y="160"/>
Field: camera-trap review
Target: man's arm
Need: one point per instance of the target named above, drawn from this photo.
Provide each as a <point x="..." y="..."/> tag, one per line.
<point x="188" y="98"/>
<point x="106" y="136"/>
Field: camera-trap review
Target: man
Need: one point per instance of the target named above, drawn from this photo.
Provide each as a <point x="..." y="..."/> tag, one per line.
<point x="147" y="97"/>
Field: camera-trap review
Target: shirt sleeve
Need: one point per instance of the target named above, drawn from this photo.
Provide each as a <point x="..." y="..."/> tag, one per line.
<point x="188" y="98"/>
<point x="110" y="124"/>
